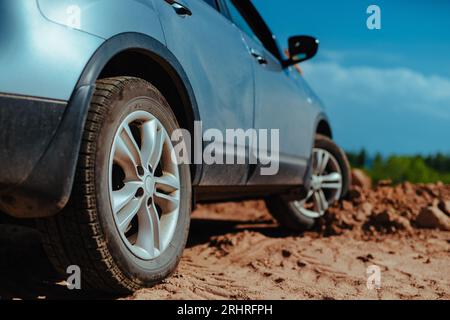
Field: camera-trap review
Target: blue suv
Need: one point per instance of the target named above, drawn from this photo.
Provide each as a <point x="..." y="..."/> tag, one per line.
<point x="92" y="93"/>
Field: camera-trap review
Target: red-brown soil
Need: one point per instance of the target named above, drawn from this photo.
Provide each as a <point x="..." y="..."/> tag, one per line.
<point x="237" y="251"/>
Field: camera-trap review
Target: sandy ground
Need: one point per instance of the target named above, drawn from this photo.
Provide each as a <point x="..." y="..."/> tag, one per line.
<point x="240" y="253"/>
<point x="236" y="251"/>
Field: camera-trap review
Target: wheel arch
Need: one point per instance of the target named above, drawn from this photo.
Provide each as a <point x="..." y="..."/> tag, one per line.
<point x="141" y="56"/>
<point x="323" y="127"/>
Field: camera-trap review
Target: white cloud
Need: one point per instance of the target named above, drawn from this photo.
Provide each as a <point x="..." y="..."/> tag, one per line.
<point x="351" y="55"/>
<point x="399" y="89"/>
<point x="392" y="110"/>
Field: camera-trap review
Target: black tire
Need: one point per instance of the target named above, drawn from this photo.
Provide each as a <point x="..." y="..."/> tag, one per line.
<point x="84" y="233"/>
<point x="281" y="207"/>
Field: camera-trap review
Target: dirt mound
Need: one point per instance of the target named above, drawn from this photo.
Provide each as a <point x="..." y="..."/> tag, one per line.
<point x="238" y="251"/>
<point x="387" y="209"/>
<point x="361" y="179"/>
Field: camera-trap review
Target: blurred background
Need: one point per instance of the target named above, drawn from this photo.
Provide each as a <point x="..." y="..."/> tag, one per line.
<point x="387" y="91"/>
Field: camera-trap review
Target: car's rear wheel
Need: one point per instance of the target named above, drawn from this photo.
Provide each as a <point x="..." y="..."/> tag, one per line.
<point x="330" y="182"/>
<point x="127" y="221"/>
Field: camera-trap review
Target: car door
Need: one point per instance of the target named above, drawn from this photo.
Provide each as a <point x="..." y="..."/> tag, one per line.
<point x="281" y="103"/>
<point x="211" y="50"/>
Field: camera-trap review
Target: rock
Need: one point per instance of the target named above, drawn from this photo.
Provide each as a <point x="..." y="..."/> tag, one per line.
<point x="385" y="183"/>
<point x="361" y="179"/>
<point x="444" y="205"/>
<point x="347" y="221"/>
<point x="334" y="230"/>
<point x="359" y="216"/>
<point x="279" y="280"/>
<point x="354" y="194"/>
<point x="366" y="259"/>
<point x="433" y="218"/>
<point x="435" y="203"/>
<point x="286" y="253"/>
<point x="347" y="206"/>
<point x="408" y="187"/>
<point x="301" y="264"/>
<point x="391" y="219"/>
<point x="384" y="216"/>
<point x="430" y="189"/>
<point x="402" y="223"/>
<point x="367" y="208"/>
<point x="364" y="211"/>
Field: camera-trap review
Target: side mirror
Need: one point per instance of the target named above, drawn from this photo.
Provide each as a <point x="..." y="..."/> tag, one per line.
<point x="301" y="48"/>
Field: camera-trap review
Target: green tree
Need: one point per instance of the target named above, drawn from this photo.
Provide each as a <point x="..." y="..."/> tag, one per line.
<point x="415" y="169"/>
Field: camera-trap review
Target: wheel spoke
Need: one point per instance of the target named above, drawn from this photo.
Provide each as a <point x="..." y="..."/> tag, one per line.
<point x="167" y="183"/>
<point x="149" y="132"/>
<point x="126" y="215"/>
<point x="131" y="142"/>
<point x="334" y="186"/>
<point x="331" y="181"/>
<point x="322" y="161"/>
<point x="317" y="202"/>
<point x="323" y="200"/>
<point x="149" y="231"/>
<point x="122" y="197"/>
<point x="320" y="201"/>
<point x="127" y="153"/>
<point x="152" y="143"/>
<point x="167" y="202"/>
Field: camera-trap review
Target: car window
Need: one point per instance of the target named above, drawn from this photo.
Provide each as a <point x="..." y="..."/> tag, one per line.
<point x="246" y="16"/>
<point x="212" y="3"/>
<point x="239" y="20"/>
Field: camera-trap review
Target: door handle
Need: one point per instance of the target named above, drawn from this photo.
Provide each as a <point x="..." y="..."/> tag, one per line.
<point x="180" y="9"/>
<point x="259" y="57"/>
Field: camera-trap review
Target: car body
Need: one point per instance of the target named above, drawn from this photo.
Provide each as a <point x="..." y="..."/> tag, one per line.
<point x="91" y="95"/>
<point x="49" y="71"/>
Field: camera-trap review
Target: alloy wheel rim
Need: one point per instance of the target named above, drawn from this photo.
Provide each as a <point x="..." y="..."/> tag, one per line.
<point x="144" y="185"/>
<point x="326" y="185"/>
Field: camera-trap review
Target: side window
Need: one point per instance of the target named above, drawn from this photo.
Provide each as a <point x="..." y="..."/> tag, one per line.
<point x="240" y="21"/>
<point x="212" y="3"/>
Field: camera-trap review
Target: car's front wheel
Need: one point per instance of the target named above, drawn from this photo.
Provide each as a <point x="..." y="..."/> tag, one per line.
<point x="127" y="221"/>
<point x="330" y="181"/>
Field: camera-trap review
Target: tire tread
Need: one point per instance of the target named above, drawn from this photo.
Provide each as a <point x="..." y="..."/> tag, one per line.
<point x="75" y="236"/>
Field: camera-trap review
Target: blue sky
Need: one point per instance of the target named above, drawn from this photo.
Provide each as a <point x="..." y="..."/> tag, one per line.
<point x="385" y="90"/>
